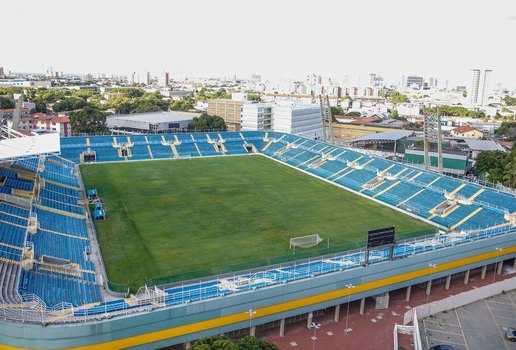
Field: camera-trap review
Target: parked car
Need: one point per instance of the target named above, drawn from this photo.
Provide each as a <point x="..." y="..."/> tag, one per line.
<point x="511" y="335"/>
<point x="442" y="347"/>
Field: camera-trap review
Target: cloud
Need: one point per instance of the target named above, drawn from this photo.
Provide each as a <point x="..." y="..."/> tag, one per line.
<point x="511" y="18"/>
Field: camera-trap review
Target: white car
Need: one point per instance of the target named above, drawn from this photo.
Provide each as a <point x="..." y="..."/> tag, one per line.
<point x="511" y="335"/>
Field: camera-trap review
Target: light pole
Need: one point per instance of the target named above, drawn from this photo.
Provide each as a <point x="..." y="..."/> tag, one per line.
<point x="315" y="326"/>
<point x="498" y="250"/>
<point x="349" y="286"/>
<point x="250" y="313"/>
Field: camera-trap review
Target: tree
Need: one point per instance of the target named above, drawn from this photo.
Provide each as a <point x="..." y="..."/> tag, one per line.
<point x="394" y="114"/>
<point x="488" y="160"/>
<point x="207" y="122"/>
<point x="509" y="101"/>
<point x="336" y="110"/>
<point x="223" y="343"/>
<point x="41" y="106"/>
<point x="89" y="120"/>
<point x="69" y="104"/>
<point x="397" y="97"/>
<point x="354" y="114"/>
<point x="502" y="168"/>
<point x="6" y="103"/>
<point x="253" y="96"/>
<point x="130" y="92"/>
<point x="507" y="130"/>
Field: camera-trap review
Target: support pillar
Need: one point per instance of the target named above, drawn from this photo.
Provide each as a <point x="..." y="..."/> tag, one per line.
<point x="382" y="301"/>
<point x="500" y="267"/>
<point x="188" y="345"/>
<point x="362" y="306"/>
<point x="407" y="294"/>
<point x="309" y="320"/>
<point x="483" y="274"/>
<point x="466" y="277"/>
<point x="252" y="333"/>
<point x="336" y="315"/>
<point x="448" y="281"/>
<point x="428" y="287"/>
<point x="282" y="328"/>
<point x="514" y="264"/>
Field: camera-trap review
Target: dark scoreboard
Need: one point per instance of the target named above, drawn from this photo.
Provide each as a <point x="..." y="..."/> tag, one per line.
<point x="380" y="237"/>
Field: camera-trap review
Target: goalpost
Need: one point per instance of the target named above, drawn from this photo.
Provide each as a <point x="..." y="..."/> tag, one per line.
<point x="306" y="241"/>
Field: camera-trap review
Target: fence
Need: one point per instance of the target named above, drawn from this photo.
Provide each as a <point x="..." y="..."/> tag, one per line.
<point x="33" y="310"/>
<point x="284" y="259"/>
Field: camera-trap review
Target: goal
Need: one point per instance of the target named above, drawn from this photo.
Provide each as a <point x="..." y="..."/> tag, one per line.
<point x="306" y="241"/>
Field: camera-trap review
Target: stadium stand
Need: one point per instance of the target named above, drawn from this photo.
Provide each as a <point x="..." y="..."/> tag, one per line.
<point x="62" y="233"/>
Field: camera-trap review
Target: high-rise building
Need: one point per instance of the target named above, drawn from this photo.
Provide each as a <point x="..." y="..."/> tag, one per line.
<point x="414" y="80"/>
<point x="148" y="79"/>
<point x="2" y="72"/>
<point x="166" y="77"/>
<point x="375" y="80"/>
<point x="474" y="86"/>
<point x="485" y="86"/>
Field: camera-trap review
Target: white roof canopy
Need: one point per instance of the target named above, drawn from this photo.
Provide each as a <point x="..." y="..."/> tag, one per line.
<point x="27" y="146"/>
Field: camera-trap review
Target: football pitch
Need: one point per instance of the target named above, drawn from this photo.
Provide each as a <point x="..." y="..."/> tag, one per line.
<point x="193" y="218"/>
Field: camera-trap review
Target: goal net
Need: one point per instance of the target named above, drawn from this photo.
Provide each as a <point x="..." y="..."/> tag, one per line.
<point x="305" y="241"/>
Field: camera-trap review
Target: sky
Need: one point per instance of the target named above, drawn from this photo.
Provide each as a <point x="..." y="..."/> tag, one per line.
<point x="279" y="39"/>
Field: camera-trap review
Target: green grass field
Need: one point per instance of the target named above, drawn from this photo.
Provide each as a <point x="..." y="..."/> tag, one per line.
<point x="173" y="217"/>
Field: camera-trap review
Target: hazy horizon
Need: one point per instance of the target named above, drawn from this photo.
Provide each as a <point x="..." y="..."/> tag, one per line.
<point x="279" y="40"/>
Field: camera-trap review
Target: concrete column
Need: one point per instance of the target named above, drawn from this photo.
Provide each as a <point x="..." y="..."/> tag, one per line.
<point x="309" y="320"/>
<point x="336" y="316"/>
<point x="466" y="277"/>
<point x="514" y="264"/>
<point x="483" y="274"/>
<point x="362" y="306"/>
<point x="448" y="281"/>
<point x="282" y="328"/>
<point x="382" y="301"/>
<point x="500" y="267"/>
<point x="428" y="287"/>
<point x="407" y="294"/>
<point x="188" y="345"/>
<point x="252" y="333"/>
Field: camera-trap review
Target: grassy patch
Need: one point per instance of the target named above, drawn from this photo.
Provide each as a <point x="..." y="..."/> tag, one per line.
<point x="172" y="217"/>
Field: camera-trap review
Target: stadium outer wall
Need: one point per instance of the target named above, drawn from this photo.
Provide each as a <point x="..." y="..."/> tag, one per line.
<point x="187" y="322"/>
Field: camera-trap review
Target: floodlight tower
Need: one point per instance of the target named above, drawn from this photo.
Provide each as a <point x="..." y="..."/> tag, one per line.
<point x="17" y="113"/>
<point x="432" y="134"/>
<point x="326" y="117"/>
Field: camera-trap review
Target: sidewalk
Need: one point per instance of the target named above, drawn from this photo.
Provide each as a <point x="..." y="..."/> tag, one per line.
<point x="373" y="330"/>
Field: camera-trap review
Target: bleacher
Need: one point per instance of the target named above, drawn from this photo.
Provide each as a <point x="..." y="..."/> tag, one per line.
<point x="65" y="236"/>
<point x="59" y="236"/>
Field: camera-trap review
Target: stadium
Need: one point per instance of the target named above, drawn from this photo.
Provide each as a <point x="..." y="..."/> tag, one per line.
<point x="147" y="241"/>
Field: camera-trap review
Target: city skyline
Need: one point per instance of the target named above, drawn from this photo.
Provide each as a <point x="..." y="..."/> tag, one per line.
<point x="277" y="40"/>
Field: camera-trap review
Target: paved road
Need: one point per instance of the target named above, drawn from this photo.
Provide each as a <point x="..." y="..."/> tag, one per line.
<point x="477" y="326"/>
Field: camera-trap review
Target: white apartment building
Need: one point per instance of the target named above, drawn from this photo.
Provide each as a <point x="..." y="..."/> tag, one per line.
<point x="291" y="117"/>
<point x="256" y="116"/>
<point x="298" y="119"/>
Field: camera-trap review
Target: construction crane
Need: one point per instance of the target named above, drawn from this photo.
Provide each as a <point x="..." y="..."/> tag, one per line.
<point x="326" y="118"/>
